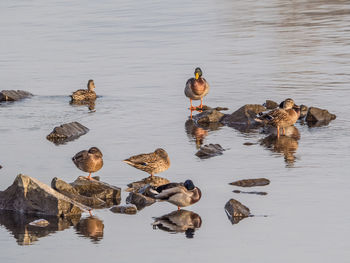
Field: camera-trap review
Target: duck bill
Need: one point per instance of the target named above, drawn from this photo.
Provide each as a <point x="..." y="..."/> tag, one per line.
<point x="197" y="76"/>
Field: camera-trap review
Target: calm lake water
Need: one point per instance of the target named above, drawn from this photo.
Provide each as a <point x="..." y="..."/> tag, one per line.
<point x="140" y="54"/>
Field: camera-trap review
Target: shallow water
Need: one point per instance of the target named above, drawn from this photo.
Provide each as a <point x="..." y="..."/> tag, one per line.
<point x="140" y="56"/>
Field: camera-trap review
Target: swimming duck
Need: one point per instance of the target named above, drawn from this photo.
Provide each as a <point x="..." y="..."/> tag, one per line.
<point x="85" y="94"/>
<point x="196" y="88"/>
<point x="179" y="194"/>
<point x="89" y="161"/>
<point x="151" y="163"/>
<point x="282" y="117"/>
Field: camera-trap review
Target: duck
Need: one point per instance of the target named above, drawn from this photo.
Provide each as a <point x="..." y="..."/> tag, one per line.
<point x="89" y="161"/>
<point x="282" y="117"/>
<point x="85" y="94"/>
<point x="179" y="194"/>
<point x="196" y="88"/>
<point x="152" y="163"/>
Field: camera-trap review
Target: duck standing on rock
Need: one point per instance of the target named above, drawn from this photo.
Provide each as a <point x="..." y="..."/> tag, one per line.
<point x="179" y="194"/>
<point x="85" y="94"/>
<point x="89" y="161"/>
<point x="281" y="117"/>
<point x="151" y="163"/>
<point x="196" y="88"/>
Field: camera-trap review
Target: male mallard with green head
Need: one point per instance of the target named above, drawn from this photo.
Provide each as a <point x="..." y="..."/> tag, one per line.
<point x="179" y="194"/>
<point x="281" y="117"/>
<point x="196" y="88"/>
<point x="151" y="163"/>
<point x="85" y="94"/>
<point x="89" y="161"/>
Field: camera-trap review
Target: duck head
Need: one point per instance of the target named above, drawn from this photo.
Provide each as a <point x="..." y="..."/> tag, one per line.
<point x="95" y="151"/>
<point x="197" y="73"/>
<point x="189" y="185"/>
<point x="288" y="104"/>
<point x="162" y="153"/>
<point x="91" y="85"/>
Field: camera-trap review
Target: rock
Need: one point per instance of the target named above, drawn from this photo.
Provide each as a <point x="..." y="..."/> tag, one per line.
<point x="244" y="115"/>
<point x="252" y="192"/>
<point x="39" y="223"/>
<point x="124" y="209"/>
<point x="249" y="143"/>
<point x="236" y="211"/>
<point x="270" y="104"/>
<point x="91" y="227"/>
<point x="139" y="200"/>
<point x="67" y="132"/>
<point x="209" y="150"/>
<point x="208" y="116"/>
<point x="0" y="166"/>
<point x="153" y="181"/>
<point x="68" y="190"/>
<point x="30" y="196"/>
<point x="14" y="95"/>
<point x="251" y="182"/>
<point x="317" y="115"/>
<point x="207" y="108"/>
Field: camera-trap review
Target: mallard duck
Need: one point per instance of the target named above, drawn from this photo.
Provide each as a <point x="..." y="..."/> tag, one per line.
<point x="196" y="88"/>
<point x="85" y="94"/>
<point x="151" y="163"/>
<point x="89" y="161"/>
<point x="179" y="194"/>
<point x="281" y="117"/>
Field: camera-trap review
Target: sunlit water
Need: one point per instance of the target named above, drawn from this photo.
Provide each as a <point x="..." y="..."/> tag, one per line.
<point x="140" y="56"/>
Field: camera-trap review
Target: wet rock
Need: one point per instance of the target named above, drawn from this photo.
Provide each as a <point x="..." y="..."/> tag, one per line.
<point x="125" y="209"/>
<point x="236" y="211"/>
<point x="139" y="200"/>
<point x="251" y="182"/>
<point x="249" y="143"/>
<point x="67" y="132"/>
<point x="0" y="166"/>
<point x="91" y="227"/>
<point x="252" y="192"/>
<point x="209" y="150"/>
<point x="14" y="95"/>
<point x="208" y="116"/>
<point x="315" y="115"/>
<point x="270" y="104"/>
<point x="244" y="116"/>
<point x="68" y="190"/>
<point x="39" y="223"/>
<point x="153" y="181"/>
<point x="30" y="196"/>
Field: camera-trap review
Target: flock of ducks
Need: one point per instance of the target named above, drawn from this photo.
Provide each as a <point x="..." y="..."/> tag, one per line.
<point x="179" y="194"/>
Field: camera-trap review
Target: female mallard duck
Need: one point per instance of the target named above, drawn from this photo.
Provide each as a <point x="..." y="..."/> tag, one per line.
<point x="196" y="88"/>
<point x="179" y="194"/>
<point x="85" y="94"/>
<point x="89" y="161"/>
<point x="151" y="163"/>
<point x="281" y="117"/>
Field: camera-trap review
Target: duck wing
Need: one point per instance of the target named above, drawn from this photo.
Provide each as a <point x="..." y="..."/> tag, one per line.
<point x="166" y="194"/>
<point x="142" y="160"/>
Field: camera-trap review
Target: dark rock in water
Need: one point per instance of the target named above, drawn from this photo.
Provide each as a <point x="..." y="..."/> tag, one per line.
<point x="270" y="104"/>
<point x="253" y="192"/>
<point x="67" y="132"/>
<point x="244" y="116"/>
<point x="236" y="211"/>
<point x="153" y="181"/>
<point x="0" y="167"/>
<point x="208" y="116"/>
<point x="315" y="115"/>
<point x="207" y="108"/>
<point x="91" y="227"/>
<point x="30" y="196"/>
<point x="303" y="111"/>
<point x="251" y="182"/>
<point x="209" y="150"/>
<point x="124" y="209"/>
<point x="249" y="143"/>
<point x="139" y="200"/>
<point x="14" y="95"/>
<point x="68" y="190"/>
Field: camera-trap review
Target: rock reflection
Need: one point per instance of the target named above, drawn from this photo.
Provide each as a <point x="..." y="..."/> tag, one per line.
<point x="179" y="221"/>
<point x="25" y="234"/>
<point x="198" y="132"/>
<point x="91" y="227"/>
<point x="286" y="145"/>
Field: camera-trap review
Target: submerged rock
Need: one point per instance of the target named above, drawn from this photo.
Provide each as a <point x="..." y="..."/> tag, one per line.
<point x="67" y="132"/>
<point x="236" y="211"/>
<point x="251" y="182"/>
<point x="139" y="200"/>
<point x="317" y="115"/>
<point x="209" y="150"/>
<point x="153" y="181"/>
<point x="252" y="192"/>
<point x="208" y="116"/>
<point x="270" y="104"/>
<point x="124" y="209"/>
<point x="244" y="115"/>
<point x="14" y="95"/>
<point x="30" y="196"/>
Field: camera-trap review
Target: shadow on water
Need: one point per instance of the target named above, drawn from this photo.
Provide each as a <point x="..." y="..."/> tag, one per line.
<point x="91" y="227"/>
<point x="179" y="221"/>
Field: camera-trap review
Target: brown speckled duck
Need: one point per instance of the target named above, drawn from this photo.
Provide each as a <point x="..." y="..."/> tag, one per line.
<point x="179" y="194"/>
<point x="85" y="94"/>
<point x="151" y="163"/>
<point x="281" y="117"/>
<point x="89" y="161"/>
<point x="196" y="88"/>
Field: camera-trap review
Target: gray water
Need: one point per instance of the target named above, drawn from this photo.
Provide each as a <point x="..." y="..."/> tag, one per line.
<point x="140" y="55"/>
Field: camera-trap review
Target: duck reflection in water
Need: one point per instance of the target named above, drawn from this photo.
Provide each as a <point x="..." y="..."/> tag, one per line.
<point x="179" y="221"/>
<point x="91" y="227"/>
<point x="198" y="132"/>
<point x="90" y="104"/>
<point x="287" y="144"/>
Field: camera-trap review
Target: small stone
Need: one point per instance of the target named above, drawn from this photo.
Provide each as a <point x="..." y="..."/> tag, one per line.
<point x="236" y="211"/>
<point x="39" y="223"/>
<point x="244" y="115"/>
<point x="315" y="115"/>
<point x="139" y="200"/>
<point x="270" y="104"/>
<point x="249" y="143"/>
<point x="208" y="116"/>
<point x="251" y="182"/>
<point x="14" y="95"/>
<point x="67" y="132"/>
<point x="124" y="209"/>
<point x="253" y="192"/>
<point x="209" y="150"/>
